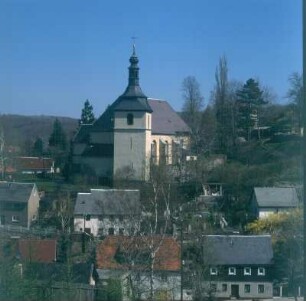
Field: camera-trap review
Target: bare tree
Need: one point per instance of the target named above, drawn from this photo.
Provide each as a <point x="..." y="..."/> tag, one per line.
<point x="193" y="103"/>
<point x="295" y="95"/>
<point x="63" y="208"/>
<point x="2" y="153"/>
<point x="223" y="100"/>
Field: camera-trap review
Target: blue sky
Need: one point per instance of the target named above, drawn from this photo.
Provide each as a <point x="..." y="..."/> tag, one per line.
<point x="54" y="54"/>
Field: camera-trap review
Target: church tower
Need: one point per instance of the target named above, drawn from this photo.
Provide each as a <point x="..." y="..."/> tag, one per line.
<point x="132" y="128"/>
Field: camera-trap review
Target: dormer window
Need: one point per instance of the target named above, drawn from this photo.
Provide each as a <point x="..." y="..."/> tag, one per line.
<point x="232" y="271"/>
<point x="247" y="271"/>
<point x="213" y="271"/>
<point x="261" y="271"/>
<point x="130" y="119"/>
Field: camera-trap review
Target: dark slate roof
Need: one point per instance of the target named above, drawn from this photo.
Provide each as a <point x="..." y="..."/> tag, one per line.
<point x="58" y="272"/>
<point x="108" y="202"/>
<point x="99" y="150"/>
<point x="276" y="196"/>
<point x="15" y="192"/>
<point x="238" y="249"/>
<point x="82" y="136"/>
<point x="132" y="103"/>
<point x="165" y="120"/>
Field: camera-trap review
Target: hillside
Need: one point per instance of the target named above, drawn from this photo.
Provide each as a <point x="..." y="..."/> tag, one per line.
<point x="18" y="128"/>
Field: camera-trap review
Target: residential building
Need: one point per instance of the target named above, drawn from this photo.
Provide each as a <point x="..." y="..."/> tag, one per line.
<point x="133" y="133"/>
<point x="267" y="200"/>
<point x="34" y="165"/>
<point x="19" y="203"/>
<point x="130" y="260"/>
<point x="238" y="266"/>
<point x="104" y="212"/>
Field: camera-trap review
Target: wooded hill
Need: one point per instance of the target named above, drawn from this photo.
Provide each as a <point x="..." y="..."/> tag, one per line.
<point x="20" y="130"/>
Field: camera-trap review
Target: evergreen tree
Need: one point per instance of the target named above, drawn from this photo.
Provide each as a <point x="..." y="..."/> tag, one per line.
<point x="38" y="147"/>
<point x="58" y="137"/>
<point x="87" y="116"/>
<point x="249" y="100"/>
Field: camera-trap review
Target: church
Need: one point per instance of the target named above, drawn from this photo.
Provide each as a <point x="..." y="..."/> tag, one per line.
<point x="133" y="133"/>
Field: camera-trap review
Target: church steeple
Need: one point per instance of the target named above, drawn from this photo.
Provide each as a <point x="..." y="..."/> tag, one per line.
<point x="133" y="69"/>
<point x="133" y="99"/>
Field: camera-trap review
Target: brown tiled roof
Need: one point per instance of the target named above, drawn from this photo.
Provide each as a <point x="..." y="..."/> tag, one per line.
<point x="36" y="250"/>
<point x="34" y="163"/>
<point x="167" y="257"/>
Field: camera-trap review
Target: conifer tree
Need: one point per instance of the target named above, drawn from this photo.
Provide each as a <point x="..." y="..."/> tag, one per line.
<point x="87" y="116"/>
<point x="249" y="100"/>
<point x="58" y="136"/>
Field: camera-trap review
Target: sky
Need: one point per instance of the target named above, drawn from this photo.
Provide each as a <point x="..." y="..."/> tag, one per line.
<point x="55" y="54"/>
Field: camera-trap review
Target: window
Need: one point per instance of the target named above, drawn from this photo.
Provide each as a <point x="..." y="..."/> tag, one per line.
<point x="247" y="288"/>
<point x="232" y="271"/>
<point x="130" y="119"/>
<point x="213" y="287"/>
<point x="111" y="231"/>
<point x="224" y="287"/>
<point x="247" y="271"/>
<point x="261" y="288"/>
<point x="154" y="152"/>
<point x="121" y="231"/>
<point x="87" y="217"/>
<point x="261" y="271"/>
<point x="213" y="271"/>
<point x="15" y="218"/>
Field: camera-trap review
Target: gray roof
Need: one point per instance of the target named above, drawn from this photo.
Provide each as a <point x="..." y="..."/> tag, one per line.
<point x="276" y="196"/>
<point x="165" y="120"/>
<point x="15" y="192"/>
<point x="58" y="272"/>
<point x="238" y="249"/>
<point x="108" y="202"/>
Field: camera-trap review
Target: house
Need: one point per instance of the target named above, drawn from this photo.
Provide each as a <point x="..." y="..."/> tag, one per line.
<point x="34" y="165"/>
<point x="37" y="250"/>
<point x="133" y="133"/>
<point x="267" y="200"/>
<point x="129" y="260"/>
<point x="61" y="282"/>
<point x="19" y="203"/>
<point x="108" y="212"/>
<point x="238" y="266"/>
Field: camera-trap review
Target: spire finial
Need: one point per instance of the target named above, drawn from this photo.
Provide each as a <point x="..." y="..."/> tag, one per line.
<point x="134" y="47"/>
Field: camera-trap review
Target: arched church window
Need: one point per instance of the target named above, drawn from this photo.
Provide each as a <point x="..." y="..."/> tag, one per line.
<point x="130" y="119"/>
<point x="154" y="152"/>
<point x="167" y="152"/>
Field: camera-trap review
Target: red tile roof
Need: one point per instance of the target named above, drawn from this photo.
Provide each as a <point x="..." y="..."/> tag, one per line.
<point x="167" y="257"/>
<point x="36" y="250"/>
<point x="34" y="163"/>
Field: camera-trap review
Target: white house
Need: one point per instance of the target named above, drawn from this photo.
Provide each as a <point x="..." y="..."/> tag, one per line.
<point x="104" y="212"/>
